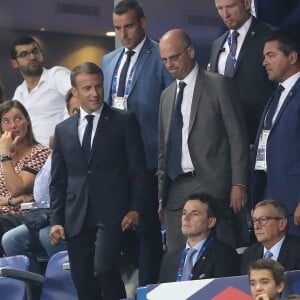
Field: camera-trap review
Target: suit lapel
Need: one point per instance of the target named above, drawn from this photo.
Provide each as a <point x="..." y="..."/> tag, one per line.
<point x="284" y="251"/>
<point x="218" y="50"/>
<point x="141" y="61"/>
<point x="113" y="63"/>
<point x="169" y="102"/>
<point x="247" y="44"/>
<point x="286" y="102"/>
<point x="196" y="99"/>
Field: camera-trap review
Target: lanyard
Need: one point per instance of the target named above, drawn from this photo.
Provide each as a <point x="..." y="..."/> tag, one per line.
<point x="232" y="56"/>
<point x="129" y="80"/>
<point x="206" y="244"/>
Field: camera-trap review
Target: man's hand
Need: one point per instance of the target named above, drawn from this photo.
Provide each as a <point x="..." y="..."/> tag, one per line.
<point x="238" y="198"/>
<point x="297" y="215"/>
<point x="131" y="219"/>
<point x="57" y="232"/>
<point x="161" y="212"/>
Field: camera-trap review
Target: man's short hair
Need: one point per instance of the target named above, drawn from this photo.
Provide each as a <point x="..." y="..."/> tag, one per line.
<point x="212" y="210"/>
<point x="288" y="41"/>
<point x="23" y="40"/>
<point x="274" y="267"/>
<point x="86" y="67"/>
<point x="280" y="209"/>
<point x="125" y="5"/>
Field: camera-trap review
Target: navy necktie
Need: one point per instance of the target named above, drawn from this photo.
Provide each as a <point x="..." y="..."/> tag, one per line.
<point x="272" y="107"/>
<point x="86" y="141"/>
<point x="123" y="75"/>
<point x="230" y="61"/>
<point x="175" y="137"/>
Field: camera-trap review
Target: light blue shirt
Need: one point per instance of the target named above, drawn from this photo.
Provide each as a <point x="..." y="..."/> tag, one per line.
<point x="41" y="185"/>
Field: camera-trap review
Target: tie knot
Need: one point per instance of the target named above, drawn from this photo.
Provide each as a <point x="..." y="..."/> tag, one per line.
<point x="190" y="252"/>
<point x="268" y="254"/>
<point x="279" y="89"/>
<point x="89" y="118"/>
<point x="234" y="35"/>
<point x="129" y="53"/>
<point x="182" y="85"/>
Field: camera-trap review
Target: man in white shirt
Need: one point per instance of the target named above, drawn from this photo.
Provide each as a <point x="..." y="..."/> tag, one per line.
<point x="270" y="223"/>
<point x="43" y="90"/>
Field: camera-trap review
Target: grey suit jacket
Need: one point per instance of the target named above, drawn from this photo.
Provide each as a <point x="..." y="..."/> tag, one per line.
<point x="218" y="141"/>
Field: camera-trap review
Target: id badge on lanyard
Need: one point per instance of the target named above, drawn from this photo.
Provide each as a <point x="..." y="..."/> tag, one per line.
<point x="261" y="154"/>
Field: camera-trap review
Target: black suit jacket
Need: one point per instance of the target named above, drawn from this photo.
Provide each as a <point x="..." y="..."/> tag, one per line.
<point x="250" y="76"/>
<point x="104" y="187"/>
<point x="219" y="260"/>
<point x="289" y="255"/>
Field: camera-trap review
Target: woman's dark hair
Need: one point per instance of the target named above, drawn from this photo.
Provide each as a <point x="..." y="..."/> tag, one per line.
<point x="10" y="104"/>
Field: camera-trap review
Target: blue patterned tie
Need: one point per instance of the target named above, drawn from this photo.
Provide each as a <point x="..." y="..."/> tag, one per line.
<point x="268" y="254"/>
<point x="231" y="60"/>
<point x="188" y="266"/>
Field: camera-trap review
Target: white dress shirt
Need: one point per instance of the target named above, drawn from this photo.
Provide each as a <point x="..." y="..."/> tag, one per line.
<point x="83" y="122"/>
<point x="275" y="249"/>
<point x="243" y="30"/>
<point x="46" y="102"/>
<point x="188" y="92"/>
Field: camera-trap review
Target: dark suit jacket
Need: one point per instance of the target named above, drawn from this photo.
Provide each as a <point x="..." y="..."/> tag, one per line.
<point x="149" y="79"/>
<point x="289" y="255"/>
<point x="105" y="186"/>
<point x="284" y="14"/>
<point x="219" y="260"/>
<point x="283" y="159"/>
<point x="217" y="139"/>
<point x="250" y="76"/>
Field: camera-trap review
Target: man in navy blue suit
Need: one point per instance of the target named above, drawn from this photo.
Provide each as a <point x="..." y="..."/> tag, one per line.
<point x="97" y="186"/>
<point x="146" y="77"/>
<point x="276" y="169"/>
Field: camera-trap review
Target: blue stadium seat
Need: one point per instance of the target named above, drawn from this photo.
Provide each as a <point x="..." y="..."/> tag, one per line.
<point x="58" y="282"/>
<point x="12" y="289"/>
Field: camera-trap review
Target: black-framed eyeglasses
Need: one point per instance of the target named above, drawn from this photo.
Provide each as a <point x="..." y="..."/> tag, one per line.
<point x="26" y="54"/>
<point x="263" y="220"/>
<point x="173" y="58"/>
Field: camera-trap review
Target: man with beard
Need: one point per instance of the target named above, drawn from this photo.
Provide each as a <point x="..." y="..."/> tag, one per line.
<point x="43" y="90"/>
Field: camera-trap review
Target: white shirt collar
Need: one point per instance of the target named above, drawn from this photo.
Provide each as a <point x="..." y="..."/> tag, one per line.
<point x="275" y="249"/>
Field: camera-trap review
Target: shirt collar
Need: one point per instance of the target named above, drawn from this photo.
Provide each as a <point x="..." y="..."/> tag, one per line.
<point x="96" y="113"/>
<point x="138" y="48"/>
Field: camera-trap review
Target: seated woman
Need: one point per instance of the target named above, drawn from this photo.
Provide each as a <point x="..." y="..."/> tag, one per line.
<point x="21" y="157"/>
<point x="22" y="239"/>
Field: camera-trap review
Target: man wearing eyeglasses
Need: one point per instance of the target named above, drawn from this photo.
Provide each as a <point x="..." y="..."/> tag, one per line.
<point x="43" y="90"/>
<point x="203" y="145"/>
<point x="270" y="224"/>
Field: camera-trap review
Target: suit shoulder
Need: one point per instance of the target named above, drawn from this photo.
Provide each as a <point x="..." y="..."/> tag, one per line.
<point x="292" y="240"/>
<point x="221" y="247"/>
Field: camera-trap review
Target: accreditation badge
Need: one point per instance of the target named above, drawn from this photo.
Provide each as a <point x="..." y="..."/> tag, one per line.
<point x="119" y="102"/>
<point x="261" y="154"/>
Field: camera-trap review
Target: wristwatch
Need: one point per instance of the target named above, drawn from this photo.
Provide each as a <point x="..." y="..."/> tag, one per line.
<point x="10" y="201"/>
<point x="4" y="157"/>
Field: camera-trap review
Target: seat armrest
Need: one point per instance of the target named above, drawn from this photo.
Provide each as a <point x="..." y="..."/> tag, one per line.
<point x="26" y="276"/>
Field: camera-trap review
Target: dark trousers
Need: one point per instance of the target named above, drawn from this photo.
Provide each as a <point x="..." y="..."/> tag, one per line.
<point x="149" y="234"/>
<point x="94" y="258"/>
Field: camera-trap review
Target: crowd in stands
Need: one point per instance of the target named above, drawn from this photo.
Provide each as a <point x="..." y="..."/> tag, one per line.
<point x="93" y="155"/>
